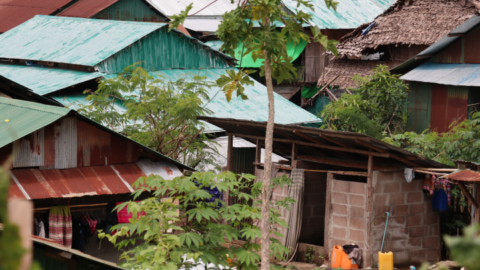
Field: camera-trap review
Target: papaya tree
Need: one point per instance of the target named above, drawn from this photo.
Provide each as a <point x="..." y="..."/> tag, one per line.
<point x="267" y="45"/>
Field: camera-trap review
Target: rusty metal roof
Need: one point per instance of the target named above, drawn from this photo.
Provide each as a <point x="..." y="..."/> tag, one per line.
<point x="34" y="184"/>
<point x="86" y="8"/>
<point x="15" y="12"/>
<point x="464" y="175"/>
<point x="315" y="143"/>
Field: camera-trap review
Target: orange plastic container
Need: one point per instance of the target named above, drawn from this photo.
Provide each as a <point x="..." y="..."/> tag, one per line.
<point x="337" y="254"/>
<point x="347" y="263"/>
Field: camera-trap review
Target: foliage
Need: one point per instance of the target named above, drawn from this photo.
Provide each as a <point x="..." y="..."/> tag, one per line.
<point x="11" y="250"/>
<point x="202" y="226"/>
<point x="157" y="113"/>
<point x="310" y="255"/>
<point x="462" y="142"/>
<point x="376" y="107"/>
<point x="465" y="249"/>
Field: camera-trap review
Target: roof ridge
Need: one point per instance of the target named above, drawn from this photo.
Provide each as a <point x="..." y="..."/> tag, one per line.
<point x="34" y="106"/>
<point x="161" y="24"/>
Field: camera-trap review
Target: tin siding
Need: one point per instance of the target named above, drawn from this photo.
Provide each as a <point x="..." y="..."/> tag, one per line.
<point x="419" y="102"/>
<point x="439" y="108"/>
<point x="457" y="105"/>
<point x="130" y="10"/>
<point x="453" y="54"/>
<point x="161" y="51"/>
<point x="472" y="40"/>
<point x="66" y="143"/>
<point x="29" y="150"/>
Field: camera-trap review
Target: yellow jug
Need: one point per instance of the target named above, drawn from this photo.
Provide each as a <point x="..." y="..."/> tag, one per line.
<point x="385" y="261"/>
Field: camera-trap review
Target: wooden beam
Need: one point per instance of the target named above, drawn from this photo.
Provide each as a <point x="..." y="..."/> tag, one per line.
<point x="283" y="134"/>
<point x="230" y="153"/>
<point x="401" y="159"/>
<point x="307" y="137"/>
<point x="258" y="152"/>
<point x="294" y="154"/>
<point x="349" y="150"/>
<point x="249" y="130"/>
<point x="333" y="141"/>
<point x="469" y="196"/>
<point x="369" y="211"/>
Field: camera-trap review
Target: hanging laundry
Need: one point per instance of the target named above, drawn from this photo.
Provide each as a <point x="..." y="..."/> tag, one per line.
<point x="78" y="235"/>
<point x="39" y="227"/>
<point x="60" y="225"/>
<point x="349" y="248"/>
<point x="428" y="184"/>
<point x="441" y="197"/>
<point x="124" y="216"/>
<point x="356" y="256"/>
<point x="409" y="174"/>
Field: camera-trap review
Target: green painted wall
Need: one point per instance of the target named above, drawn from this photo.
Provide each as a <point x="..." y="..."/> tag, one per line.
<point x="163" y="50"/>
<point x="130" y="10"/>
<point x="419" y="105"/>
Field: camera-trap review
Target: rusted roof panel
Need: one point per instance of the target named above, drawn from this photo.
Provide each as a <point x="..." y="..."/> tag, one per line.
<point x="86" y="8"/>
<point x="33" y="183"/>
<point x="15" y="12"/>
<point x="464" y="175"/>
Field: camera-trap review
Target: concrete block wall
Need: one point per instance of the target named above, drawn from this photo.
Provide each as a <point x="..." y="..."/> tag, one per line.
<point x="346" y="215"/>
<point x="413" y="232"/>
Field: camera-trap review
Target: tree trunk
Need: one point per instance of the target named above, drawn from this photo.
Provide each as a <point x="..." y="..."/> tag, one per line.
<point x="267" y="175"/>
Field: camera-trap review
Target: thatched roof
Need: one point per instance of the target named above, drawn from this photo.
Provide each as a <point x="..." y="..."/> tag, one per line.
<point x="418" y="22"/>
<point x="348" y="68"/>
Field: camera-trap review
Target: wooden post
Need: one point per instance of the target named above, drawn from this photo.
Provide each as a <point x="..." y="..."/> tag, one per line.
<point x="258" y="152"/>
<point x="328" y="234"/>
<point x="294" y="154"/>
<point x="229" y="165"/>
<point x="369" y="216"/>
<point x="469" y="196"/>
<point x="20" y="213"/>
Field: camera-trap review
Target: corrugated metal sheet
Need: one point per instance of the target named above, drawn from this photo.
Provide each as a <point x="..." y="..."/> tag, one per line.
<point x="66" y="143"/>
<point x="419" y="104"/>
<point x="29" y="150"/>
<point x="215" y="44"/>
<point x="85" y="181"/>
<point x="163" y="169"/>
<point x="243" y="159"/>
<point x="34" y="77"/>
<point x="19" y="118"/>
<point x="464" y="175"/>
<point x="87" y="259"/>
<point x="453" y="54"/>
<point x="448" y="74"/>
<point x="15" y="12"/>
<point x="169" y="8"/>
<point x="471" y="41"/>
<point x="202" y="25"/>
<point x="130" y="10"/>
<point x="254" y="108"/>
<point x="71" y="40"/>
<point x="86" y="8"/>
<point x="162" y="50"/>
<point x="349" y="14"/>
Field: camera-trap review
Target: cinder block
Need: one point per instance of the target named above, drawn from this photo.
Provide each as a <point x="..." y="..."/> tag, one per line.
<point x="358" y="188"/>
<point x="397" y="198"/>
<point x="357" y="223"/>
<point x="340" y="221"/>
<point x="339" y="209"/>
<point x="380" y="199"/>
<point x="433" y="255"/>
<point x="356" y="200"/>
<point x="339" y="198"/>
<point x="416" y="231"/>
<point x="357" y="211"/>
<point x="340" y="186"/>
<point x="356" y="236"/>
<point x="415" y="220"/>
<point x="431" y="242"/>
<point x="400" y="210"/>
<point x="391" y="187"/>
<point x="417" y="256"/>
<point x="418" y="208"/>
<point x="414" y="243"/>
<point x="414" y="197"/>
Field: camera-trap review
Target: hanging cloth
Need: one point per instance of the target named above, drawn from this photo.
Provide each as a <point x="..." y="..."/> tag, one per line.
<point x="60" y="225"/>
<point x="428" y="184"/>
<point x="409" y="174"/>
<point x="39" y="227"/>
<point x="294" y="217"/>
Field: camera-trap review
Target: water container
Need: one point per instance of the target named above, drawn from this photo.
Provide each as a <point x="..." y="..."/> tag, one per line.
<point x="347" y="263"/>
<point x="385" y="261"/>
<point x="337" y="254"/>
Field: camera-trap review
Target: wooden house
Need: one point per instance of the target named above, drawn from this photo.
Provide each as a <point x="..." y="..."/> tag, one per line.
<point x="61" y="158"/>
<point x="443" y="80"/>
<point x="400" y="33"/>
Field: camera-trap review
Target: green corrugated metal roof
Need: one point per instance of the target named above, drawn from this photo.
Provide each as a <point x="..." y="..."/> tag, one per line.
<point x="350" y="13"/>
<point x="35" y="77"/>
<point x="19" y="118"/>
<point x="71" y="40"/>
<point x="255" y="108"/>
